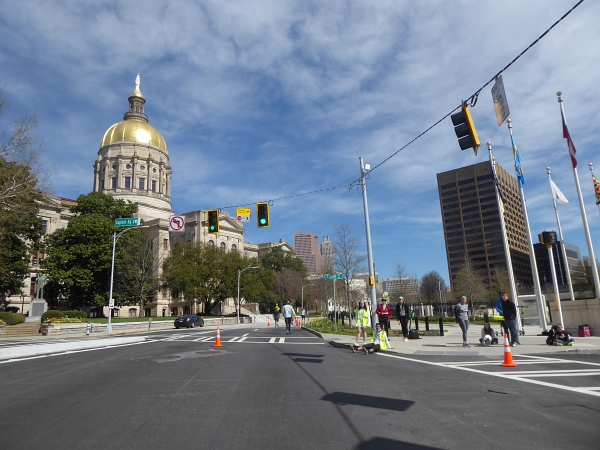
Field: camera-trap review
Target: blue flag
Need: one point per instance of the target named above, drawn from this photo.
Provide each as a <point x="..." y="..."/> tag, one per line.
<point x="518" y="162"/>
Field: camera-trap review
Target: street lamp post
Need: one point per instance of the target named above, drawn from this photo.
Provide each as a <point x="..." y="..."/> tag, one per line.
<point x="238" y="300"/>
<point x="311" y="284"/>
<point x="111" y="303"/>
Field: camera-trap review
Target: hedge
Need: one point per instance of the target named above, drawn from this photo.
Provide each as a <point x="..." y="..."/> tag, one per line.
<point x="75" y="314"/>
<point x="12" y="318"/>
<point x="52" y="313"/>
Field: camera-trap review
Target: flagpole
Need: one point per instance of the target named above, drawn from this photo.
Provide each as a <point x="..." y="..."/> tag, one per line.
<point x="509" y="268"/>
<point x="562" y="240"/>
<point x="532" y="261"/>
<point x="596" y="186"/>
<point x="586" y="228"/>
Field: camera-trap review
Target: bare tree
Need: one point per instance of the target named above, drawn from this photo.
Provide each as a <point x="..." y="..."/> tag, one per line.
<point x="470" y="283"/>
<point x="348" y="259"/>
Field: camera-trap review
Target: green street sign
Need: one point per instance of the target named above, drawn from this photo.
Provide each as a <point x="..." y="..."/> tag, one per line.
<point x="333" y="276"/>
<point x="127" y="222"/>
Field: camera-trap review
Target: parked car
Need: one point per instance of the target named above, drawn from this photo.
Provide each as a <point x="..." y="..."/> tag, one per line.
<point x="189" y="321"/>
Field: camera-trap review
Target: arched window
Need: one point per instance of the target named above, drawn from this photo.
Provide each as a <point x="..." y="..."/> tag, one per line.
<point x="211" y="243"/>
<point x="223" y="246"/>
<point x="233" y="247"/>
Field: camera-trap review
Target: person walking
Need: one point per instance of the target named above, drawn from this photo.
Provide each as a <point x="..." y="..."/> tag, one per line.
<point x="288" y="313"/>
<point x="510" y="317"/>
<point x="384" y="312"/>
<point x="363" y="320"/>
<point x="403" y="316"/>
<point x="461" y="313"/>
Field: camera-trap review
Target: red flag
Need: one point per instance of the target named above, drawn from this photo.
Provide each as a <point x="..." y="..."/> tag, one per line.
<point x="572" y="149"/>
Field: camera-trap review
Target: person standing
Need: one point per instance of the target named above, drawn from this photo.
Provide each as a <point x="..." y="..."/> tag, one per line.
<point x="303" y="315"/>
<point x="461" y="313"/>
<point x="403" y="316"/>
<point x="288" y="313"/>
<point x="384" y="312"/>
<point x="363" y="320"/>
<point x="510" y="317"/>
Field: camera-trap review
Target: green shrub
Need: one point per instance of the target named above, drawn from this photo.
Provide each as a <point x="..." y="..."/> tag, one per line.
<point x="51" y="314"/>
<point x="75" y="314"/>
<point x="12" y="318"/>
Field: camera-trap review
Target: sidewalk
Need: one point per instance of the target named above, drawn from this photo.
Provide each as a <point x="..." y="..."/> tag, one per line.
<point x="451" y="343"/>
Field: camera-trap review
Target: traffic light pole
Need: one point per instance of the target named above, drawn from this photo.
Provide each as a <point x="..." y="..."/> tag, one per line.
<point x="363" y="172"/>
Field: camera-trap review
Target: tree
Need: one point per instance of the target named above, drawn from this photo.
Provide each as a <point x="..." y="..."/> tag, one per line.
<point x="348" y="259"/>
<point x="78" y="258"/>
<point x="470" y="283"/>
<point x="278" y="259"/>
<point x="432" y="284"/>
<point x="288" y="274"/>
<point x="583" y="278"/>
<point x="22" y="180"/>
<point x="136" y="276"/>
<point x="500" y="282"/>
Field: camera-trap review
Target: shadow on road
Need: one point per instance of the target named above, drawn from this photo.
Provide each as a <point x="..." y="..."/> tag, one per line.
<point x="379" y="443"/>
<point x="345" y="398"/>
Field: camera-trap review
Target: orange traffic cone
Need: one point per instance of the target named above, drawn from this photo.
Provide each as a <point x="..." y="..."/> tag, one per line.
<point x="268" y="322"/>
<point x="508" y="361"/>
<point x="218" y="341"/>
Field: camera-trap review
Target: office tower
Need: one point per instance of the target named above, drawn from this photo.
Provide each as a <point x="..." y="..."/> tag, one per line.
<point x="542" y="258"/>
<point x="471" y="221"/>
<point x="327" y="254"/>
<point x="307" y="249"/>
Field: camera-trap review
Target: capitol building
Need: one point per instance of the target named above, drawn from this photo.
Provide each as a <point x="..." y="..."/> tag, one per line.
<point x="133" y="165"/>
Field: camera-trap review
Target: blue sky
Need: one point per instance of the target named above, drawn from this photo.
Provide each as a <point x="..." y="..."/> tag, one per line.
<point x="262" y="100"/>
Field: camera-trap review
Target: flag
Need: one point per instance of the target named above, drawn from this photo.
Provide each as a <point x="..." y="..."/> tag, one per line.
<point x="596" y="189"/>
<point x="518" y="162"/>
<point x="557" y="194"/>
<point x="572" y="149"/>
<point x="497" y="182"/>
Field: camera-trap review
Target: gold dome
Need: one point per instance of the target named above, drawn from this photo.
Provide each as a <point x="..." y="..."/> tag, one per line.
<point x="134" y="131"/>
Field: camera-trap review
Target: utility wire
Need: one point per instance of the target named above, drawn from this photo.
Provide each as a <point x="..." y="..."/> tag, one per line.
<point x="472" y="100"/>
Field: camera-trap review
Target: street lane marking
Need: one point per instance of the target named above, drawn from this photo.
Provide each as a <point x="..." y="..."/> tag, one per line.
<point x="594" y="391"/>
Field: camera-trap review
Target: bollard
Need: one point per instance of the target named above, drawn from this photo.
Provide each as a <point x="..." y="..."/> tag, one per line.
<point x="149" y="322"/>
<point x="426" y="323"/>
<point x="486" y="317"/>
<point x="88" y="329"/>
<point x="417" y="323"/>
<point x="441" y="326"/>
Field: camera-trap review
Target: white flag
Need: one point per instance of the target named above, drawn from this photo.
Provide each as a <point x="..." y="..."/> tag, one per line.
<point x="558" y="196"/>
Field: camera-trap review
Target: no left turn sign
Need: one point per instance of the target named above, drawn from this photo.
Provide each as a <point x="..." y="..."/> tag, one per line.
<point x="176" y="224"/>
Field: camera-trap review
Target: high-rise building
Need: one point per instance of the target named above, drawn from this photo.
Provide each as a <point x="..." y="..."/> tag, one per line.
<point x="327" y="254"/>
<point x="307" y="249"/>
<point x="542" y="259"/>
<point x="471" y="221"/>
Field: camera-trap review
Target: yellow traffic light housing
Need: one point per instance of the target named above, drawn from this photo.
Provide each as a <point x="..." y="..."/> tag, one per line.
<point x="465" y="129"/>
<point x="262" y="215"/>
<point x="213" y="221"/>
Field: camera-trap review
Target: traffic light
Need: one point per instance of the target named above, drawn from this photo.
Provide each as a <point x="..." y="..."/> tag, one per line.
<point x="465" y="129"/>
<point x="262" y="215"/>
<point x="213" y="221"/>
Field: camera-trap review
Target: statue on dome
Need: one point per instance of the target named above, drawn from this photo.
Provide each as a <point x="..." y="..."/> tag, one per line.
<point x="137" y="82"/>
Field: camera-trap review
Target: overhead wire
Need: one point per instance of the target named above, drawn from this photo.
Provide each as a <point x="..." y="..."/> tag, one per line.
<point x="472" y="100"/>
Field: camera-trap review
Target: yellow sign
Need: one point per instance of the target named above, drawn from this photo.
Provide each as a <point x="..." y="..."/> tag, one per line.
<point x="243" y="214"/>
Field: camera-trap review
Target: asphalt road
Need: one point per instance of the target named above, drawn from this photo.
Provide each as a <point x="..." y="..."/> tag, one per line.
<point x="266" y="390"/>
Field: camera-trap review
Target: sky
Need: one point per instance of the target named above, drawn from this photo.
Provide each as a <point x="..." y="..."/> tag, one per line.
<point x="277" y="100"/>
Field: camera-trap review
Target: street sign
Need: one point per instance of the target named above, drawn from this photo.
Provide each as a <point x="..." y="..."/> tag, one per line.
<point x="111" y="303"/>
<point x="176" y="224"/>
<point x="243" y="214"/>
<point x="500" y="101"/>
<point x="127" y="222"/>
<point x="333" y="276"/>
